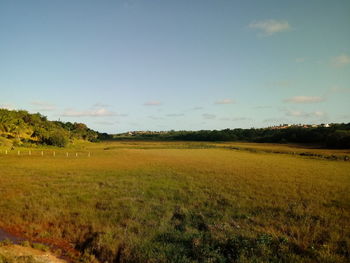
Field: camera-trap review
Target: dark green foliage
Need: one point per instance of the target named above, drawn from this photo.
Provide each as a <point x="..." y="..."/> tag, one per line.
<point x="57" y="138"/>
<point x="104" y="136"/>
<point x="335" y="136"/>
<point x="339" y="139"/>
<point x="193" y="239"/>
<point x="24" y="127"/>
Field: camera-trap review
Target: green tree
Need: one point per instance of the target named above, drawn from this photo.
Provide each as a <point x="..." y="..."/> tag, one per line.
<point x="57" y="138"/>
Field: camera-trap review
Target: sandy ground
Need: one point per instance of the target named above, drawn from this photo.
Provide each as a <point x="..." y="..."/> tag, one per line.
<point x="21" y="254"/>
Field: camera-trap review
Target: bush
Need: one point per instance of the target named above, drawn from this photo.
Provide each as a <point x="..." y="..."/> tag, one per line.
<point x="57" y="138"/>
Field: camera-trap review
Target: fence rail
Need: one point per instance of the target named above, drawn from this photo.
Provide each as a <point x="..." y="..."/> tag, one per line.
<point x="46" y="153"/>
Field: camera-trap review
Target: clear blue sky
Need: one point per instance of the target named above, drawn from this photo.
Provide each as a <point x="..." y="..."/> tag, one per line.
<point x="181" y="64"/>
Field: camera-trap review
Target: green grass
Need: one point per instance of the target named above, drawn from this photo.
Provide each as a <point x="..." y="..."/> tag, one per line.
<point x="180" y="202"/>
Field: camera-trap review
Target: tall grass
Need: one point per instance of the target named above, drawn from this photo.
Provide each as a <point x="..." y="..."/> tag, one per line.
<point x="181" y="202"/>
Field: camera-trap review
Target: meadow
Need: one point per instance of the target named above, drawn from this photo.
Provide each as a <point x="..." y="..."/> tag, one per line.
<point x="180" y="201"/>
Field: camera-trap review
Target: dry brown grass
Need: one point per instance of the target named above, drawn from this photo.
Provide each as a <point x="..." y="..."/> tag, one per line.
<point x="142" y="202"/>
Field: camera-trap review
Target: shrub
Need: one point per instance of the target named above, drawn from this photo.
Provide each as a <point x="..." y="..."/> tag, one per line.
<point x="57" y="138"/>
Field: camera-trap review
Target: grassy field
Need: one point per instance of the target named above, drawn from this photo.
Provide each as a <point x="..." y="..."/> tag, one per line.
<point x="180" y="202"/>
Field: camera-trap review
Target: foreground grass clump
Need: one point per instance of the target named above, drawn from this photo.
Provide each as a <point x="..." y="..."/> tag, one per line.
<point x="181" y="202"/>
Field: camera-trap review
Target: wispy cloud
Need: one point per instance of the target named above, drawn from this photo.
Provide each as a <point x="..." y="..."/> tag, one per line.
<point x="224" y="101"/>
<point x="100" y="105"/>
<point x="235" y="119"/>
<point x="279" y="84"/>
<point x="303" y="114"/>
<point x="175" y="115"/>
<point x="261" y="107"/>
<point x="152" y="103"/>
<point x="241" y="119"/>
<point x="299" y="60"/>
<point x="304" y="99"/>
<point x="194" y="109"/>
<point x="43" y="106"/>
<point x="337" y="89"/>
<point x="340" y="61"/>
<point x="155" y="117"/>
<point x="270" y="26"/>
<point x="275" y="120"/>
<point x="208" y="116"/>
<point x="197" y="108"/>
<point x="102" y="112"/>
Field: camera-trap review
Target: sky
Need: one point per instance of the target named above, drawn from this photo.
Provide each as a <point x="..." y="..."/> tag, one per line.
<point x="123" y="65"/>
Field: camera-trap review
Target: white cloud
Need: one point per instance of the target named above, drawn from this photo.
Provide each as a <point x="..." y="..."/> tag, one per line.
<point x="175" y="115"/>
<point x="299" y="60"/>
<point x="43" y="106"/>
<point x="241" y="119"/>
<point x="270" y="27"/>
<point x="278" y="84"/>
<point x="302" y="114"/>
<point x="155" y="117"/>
<point x="319" y="113"/>
<point x="337" y="89"/>
<point x="295" y="113"/>
<point x="275" y="120"/>
<point x="224" y="101"/>
<point x="235" y="119"/>
<point x="304" y="99"/>
<point x="340" y="61"/>
<point x="208" y="116"/>
<point x="102" y="112"/>
<point x="100" y="105"/>
<point x="152" y="103"/>
<point x="197" y="108"/>
<point x="262" y="107"/>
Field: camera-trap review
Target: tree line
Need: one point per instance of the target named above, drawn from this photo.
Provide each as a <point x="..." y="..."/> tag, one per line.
<point x="22" y="127"/>
<point x="334" y="136"/>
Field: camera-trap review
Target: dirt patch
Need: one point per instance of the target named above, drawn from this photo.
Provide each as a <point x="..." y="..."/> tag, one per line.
<point x="16" y="237"/>
<point x="18" y="253"/>
<point x="7" y="236"/>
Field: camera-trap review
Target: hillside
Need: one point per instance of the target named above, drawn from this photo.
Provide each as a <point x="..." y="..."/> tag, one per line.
<point x="21" y="128"/>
